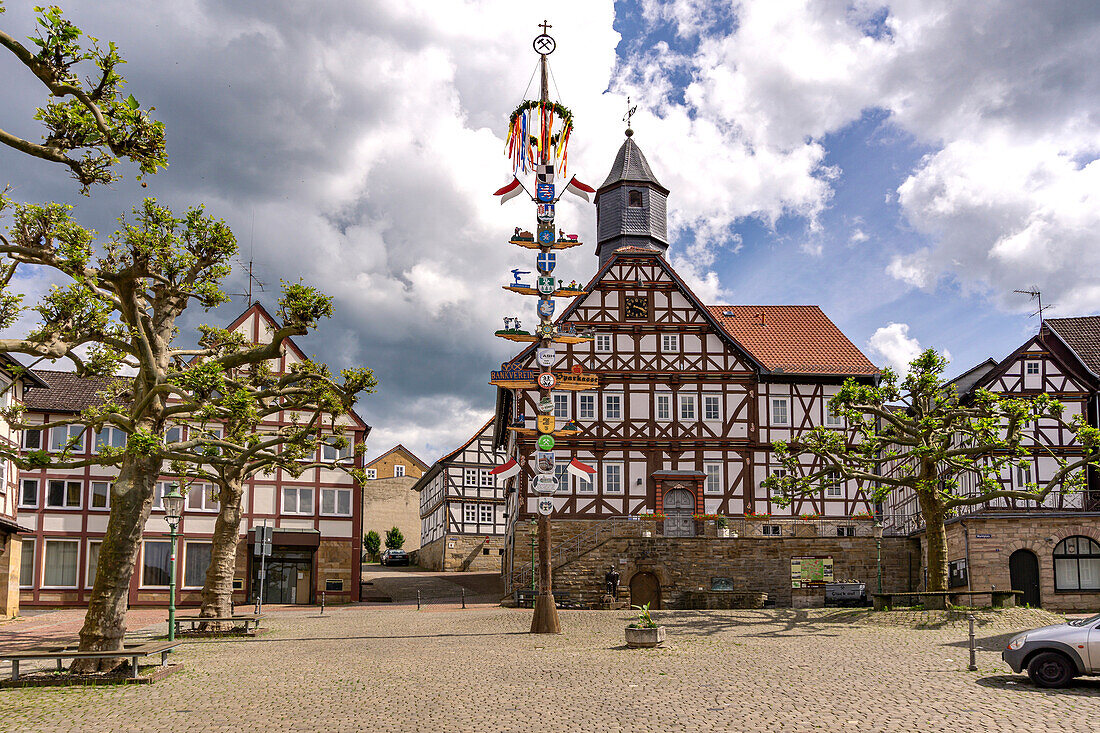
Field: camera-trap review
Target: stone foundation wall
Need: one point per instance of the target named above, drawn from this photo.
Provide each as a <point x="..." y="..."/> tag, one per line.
<point x="391" y="502"/>
<point x="10" y="556"/>
<point x="989" y="555"/>
<point x="337" y="560"/>
<point x="430" y="556"/>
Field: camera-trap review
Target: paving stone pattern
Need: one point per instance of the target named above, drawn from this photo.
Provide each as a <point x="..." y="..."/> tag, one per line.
<point x="396" y="669"/>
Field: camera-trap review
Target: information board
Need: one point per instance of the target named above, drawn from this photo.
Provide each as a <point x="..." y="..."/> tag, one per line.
<point x="807" y="571"/>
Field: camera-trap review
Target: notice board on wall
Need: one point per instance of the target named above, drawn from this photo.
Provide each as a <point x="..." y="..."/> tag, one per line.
<point x="807" y="571"/>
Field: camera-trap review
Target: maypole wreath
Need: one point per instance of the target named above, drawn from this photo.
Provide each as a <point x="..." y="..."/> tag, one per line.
<point x="535" y="125"/>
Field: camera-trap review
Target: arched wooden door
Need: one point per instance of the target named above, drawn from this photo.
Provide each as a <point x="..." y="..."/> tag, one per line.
<point x="679" y="506"/>
<point x="1023" y="570"/>
<point x="645" y="588"/>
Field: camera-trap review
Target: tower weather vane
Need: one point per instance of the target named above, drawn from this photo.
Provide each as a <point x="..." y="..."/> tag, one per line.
<point x="538" y="142"/>
<point x="629" y="116"/>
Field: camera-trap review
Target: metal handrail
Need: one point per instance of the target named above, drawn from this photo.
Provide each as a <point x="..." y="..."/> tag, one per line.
<point x="570" y="549"/>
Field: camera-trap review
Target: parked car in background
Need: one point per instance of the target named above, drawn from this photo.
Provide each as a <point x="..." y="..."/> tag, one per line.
<point x="395" y="557"/>
<point x="1054" y="655"/>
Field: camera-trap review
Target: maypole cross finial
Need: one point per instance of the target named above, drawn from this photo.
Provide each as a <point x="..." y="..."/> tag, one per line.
<point x="544" y="44"/>
<point x="628" y="116"/>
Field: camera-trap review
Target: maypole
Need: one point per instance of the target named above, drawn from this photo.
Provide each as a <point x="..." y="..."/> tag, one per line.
<point x="538" y="137"/>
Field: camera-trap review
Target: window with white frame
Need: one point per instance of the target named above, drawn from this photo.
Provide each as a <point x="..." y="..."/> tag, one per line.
<point x="585" y="484"/>
<point x="770" y="530"/>
<point x="109" y="437"/>
<point x="561" y="473"/>
<point x="398" y="470"/>
<point x="173" y="435"/>
<point x="28" y="493"/>
<point x="155" y="564"/>
<point x="3" y="478"/>
<point x="487" y="480"/>
<point x="92" y="563"/>
<point x="612" y="406"/>
<point x="196" y="561"/>
<point x="202" y="498"/>
<point x="781" y="411"/>
<point x="586" y="406"/>
<point x="670" y="343"/>
<point x="612" y="478"/>
<point x="7" y="392"/>
<point x="664" y="407"/>
<point x="832" y="419"/>
<point x="32" y="439"/>
<point x="485" y="513"/>
<point x="687" y="406"/>
<point x="469" y="513"/>
<point x="99" y="494"/>
<point x="67" y="436"/>
<point x="712" y="407"/>
<point x="561" y="405"/>
<point x="59" y="563"/>
<point x="713" y="482"/>
<point x="26" y="564"/>
<point x="297" y="500"/>
<point x="370" y="474"/>
<point x="834" y="486"/>
<point x="469" y="477"/>
<point x="1031" y="368"/>
<point x="1023" y="475"/>
<point x="62" y="494"/>
<point x="780" y="473"/>
<point x="332" y="454"/>
<point x="162" y="488"/>
<point x="603" y="343"/>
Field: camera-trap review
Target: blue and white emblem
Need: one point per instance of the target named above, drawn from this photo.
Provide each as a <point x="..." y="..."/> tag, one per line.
<point x="546" y="308"/>
<point x="545" y="212"/>
<point x="544" y="192"/>
<point x="546" y="237"/>
<point x="546" y="262"/>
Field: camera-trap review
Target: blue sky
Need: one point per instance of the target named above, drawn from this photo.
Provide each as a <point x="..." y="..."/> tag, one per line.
<point x="905" y="165"/>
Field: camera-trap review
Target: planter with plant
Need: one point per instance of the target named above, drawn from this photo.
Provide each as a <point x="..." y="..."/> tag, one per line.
<point x="644" y="633"/>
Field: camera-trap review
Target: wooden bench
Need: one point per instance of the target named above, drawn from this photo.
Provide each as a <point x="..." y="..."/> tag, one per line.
<point x="249" y="619"/>
<point x="133" y="651"/>
<point x="525" y="598"/>
<point x="940" y="599"/>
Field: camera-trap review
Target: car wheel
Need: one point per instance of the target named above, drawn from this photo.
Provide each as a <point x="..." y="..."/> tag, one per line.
<point x="1050" y="669"/>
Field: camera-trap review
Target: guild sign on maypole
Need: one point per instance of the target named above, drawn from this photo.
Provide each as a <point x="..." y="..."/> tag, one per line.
<point x="538" y="142"/>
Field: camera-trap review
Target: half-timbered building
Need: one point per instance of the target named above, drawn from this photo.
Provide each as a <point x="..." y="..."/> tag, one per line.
<point x="462" y="507"/>
<point x="316" y="516"/>
<point x="1050" y="550"/>
<point x="691" y="398"/>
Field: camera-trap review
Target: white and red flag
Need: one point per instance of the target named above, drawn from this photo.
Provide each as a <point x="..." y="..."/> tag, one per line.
<point x="509" y="192"/>
<point x="577" y="188"/>
<point x="506" y="470"/>
<point x="580" y="470"/>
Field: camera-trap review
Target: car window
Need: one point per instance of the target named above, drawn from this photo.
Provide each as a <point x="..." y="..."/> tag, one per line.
<point x="1085" y="621"/>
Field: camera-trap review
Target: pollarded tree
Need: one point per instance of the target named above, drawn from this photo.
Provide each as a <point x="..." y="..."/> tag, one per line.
<point x="120" y="308"/>
<point x="231" y="443"/>
<point x="919" y="437"/>
<point x="90" y="125"/>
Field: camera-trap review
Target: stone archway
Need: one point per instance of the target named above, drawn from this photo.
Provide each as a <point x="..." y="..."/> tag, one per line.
<point x="645" y="588"/>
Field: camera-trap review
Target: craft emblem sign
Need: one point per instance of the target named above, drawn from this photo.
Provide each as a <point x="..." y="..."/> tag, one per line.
<point x="546" y="285"/>
<point x="546" y="404"/>
<point x="546" y="237"/>
<point x="546" y="331"/>
<point x="544" y="462"/>
<point x="546" y="308"/>
<point x="544" y="192"/>
<point x="546" y="506"/>
<point x="545" y="423"/>
<point x="545" y="442"/>
<point x="545" y="357"/>
<point x="546" y="212"/>
<point x="547" y="380"/>
<point x="546" y="262"/>
<point x="545" y="483"/>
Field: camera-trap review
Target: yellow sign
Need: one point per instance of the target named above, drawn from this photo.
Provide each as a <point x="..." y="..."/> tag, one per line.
<point x="546" y="423"/>
<point x="578" y="382"/>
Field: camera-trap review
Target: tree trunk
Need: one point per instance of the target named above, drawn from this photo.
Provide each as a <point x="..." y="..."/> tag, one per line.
<point x="935" y="536"/>
<point x="217" y="592"/>
<point x="105" y="621"/>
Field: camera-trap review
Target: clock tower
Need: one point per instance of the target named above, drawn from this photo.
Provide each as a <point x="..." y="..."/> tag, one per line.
<point x="630" y="205"/>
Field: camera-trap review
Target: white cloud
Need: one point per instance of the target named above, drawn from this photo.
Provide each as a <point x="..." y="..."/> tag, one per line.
<point x="894" y="347"/>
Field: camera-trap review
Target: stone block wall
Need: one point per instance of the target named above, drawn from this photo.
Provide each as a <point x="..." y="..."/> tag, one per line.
<point x="430" y="556"/>
<point x="391" y="502"/>
<point x="337" y="560"/>
<point x="9" y="574"/>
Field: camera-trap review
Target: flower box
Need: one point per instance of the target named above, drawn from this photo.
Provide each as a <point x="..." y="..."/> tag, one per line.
<point x="645" y="638"/>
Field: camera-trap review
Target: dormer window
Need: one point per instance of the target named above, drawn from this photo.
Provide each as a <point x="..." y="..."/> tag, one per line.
<point x="634" y="199"/>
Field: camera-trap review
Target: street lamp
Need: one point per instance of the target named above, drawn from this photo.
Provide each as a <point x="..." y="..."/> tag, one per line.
<point x="878" y="553"/>
<point x="173" y="512"/>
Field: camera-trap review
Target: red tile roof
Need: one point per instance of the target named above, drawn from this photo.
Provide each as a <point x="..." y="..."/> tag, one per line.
<point x="795" y="339"/>
<point x="68" y="392"/>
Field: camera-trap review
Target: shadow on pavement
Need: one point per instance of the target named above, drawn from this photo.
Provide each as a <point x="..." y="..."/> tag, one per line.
<point x="1080" y="687"/>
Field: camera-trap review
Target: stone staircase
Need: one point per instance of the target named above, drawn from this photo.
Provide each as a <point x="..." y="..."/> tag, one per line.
<point x="571" y="548"/>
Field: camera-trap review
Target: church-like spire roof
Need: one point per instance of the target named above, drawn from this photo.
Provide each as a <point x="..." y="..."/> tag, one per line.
<point x="630" y="165"/>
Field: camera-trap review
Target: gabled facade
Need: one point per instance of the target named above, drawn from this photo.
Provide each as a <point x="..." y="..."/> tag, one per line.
<point x="462" y="510"/>
<point x="316" y="516"/>
<point x="397" y="462"/>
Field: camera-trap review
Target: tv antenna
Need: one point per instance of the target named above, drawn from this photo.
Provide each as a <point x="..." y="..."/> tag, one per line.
<point x="252" y="279"/>
<point x="1036" y="295"/>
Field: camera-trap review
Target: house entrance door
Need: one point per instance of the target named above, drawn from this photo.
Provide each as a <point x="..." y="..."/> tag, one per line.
<point x="1023" y="571"/>
<point x="679" y="505"/>
<point x="645" y="588"/>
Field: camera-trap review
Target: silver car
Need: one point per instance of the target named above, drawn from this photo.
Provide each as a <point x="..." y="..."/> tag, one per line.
<point x="1054" y="655"/>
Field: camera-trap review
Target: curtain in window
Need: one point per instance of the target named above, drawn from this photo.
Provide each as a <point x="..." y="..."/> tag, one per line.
<point x="93" y="561"/>
<point x="59" y="568"/>
<point x="196" y="562"/>
<point x="154" y="570"/>
<point x="26" y="564"/>
<point x="328" y="501"/>
<point x="343" y="502"/>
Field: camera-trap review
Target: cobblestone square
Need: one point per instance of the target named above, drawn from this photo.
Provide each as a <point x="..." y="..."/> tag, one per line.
<point x="446" y="669"/>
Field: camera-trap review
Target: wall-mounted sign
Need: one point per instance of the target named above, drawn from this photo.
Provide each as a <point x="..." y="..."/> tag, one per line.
<point x="545" y="357"/>
<point x="545" y="442"/>
<point x="544" y="192"/>
<point x="546" y="404"/>
<point x="547" y="380"/>
<point x="578" y="382"/>
<point x="810" y="571"/>
<point x="982" y="536"/>
<point x="546" y="308"/>
<point x="512" y="377"/>
<point x="546" y="262"/>
<point x="544" y="461"/>
<point x="545" y="483"/>
<point x="546" y="506"/>
<point x="545" y="423"/>
<point x="546" y="285"/>
<point x="545" y="212"/>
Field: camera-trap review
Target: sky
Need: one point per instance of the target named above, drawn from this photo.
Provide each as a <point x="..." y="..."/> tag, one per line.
<point x="905" y="165"/>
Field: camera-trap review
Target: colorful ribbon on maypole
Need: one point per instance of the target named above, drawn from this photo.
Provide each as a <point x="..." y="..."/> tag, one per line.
<point x="524" y="146"/>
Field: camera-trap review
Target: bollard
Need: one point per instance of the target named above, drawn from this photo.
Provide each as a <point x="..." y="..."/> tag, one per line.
<point x="232" y="607"/>
<point x="418" y="600"/>
<point x="973" y="659"/>
<point x="464" y="598"/>
<point x="322" y="603"/>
